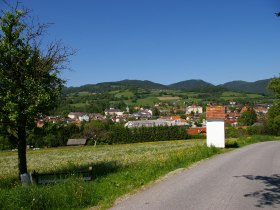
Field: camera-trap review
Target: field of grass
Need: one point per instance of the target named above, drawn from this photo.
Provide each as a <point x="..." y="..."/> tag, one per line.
<point x="168" y="98"/>
<point x="227" y="95"/>
<point x="117" y="169"/>
<point x="53" y="159"/>
<point x="232" y="94"/>
<point x="253" y="95"/>
<point x="126" y="93"/>
<point x="147" y="101"/>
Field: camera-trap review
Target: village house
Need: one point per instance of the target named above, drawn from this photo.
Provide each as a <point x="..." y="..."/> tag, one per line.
<point x="232" y="122"/>
<point x="244" y="109"/>
<point x="113" y="112"/>
<point x="175" y="118"/>
<point x="232" y="115"/>
<point x="194" y="109"/>
<point x="74" y="115"/>
<point x="83" y="117"/>
<point x="261" y="110"/>
<point x="96" y="116"/>
<point x="77" y="117"/>
<point x="143" y="114"/>
<point x="232" y="103"/>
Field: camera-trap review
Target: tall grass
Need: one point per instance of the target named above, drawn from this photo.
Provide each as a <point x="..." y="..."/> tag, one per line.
<point x="131" y="167"/>
<point x="117" y="169"/>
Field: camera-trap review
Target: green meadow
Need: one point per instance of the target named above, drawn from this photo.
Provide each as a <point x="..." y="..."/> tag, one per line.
<point x="117" y="171"/>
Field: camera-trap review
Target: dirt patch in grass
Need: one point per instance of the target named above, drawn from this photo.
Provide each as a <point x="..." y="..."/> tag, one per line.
<point x="168" y="98"/>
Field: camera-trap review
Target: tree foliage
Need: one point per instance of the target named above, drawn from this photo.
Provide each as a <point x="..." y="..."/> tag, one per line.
<point x="29" y="75"/>
<point x="273" y="121"/>
<point x="248" y="117"/>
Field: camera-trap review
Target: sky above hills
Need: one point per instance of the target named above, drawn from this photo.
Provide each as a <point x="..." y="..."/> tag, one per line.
<point x="165" y="41"/>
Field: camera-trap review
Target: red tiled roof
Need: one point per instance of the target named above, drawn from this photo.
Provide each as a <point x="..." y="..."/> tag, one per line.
<point x="215" y="112"/>
<point x="175" y="117"/>
<point x="260" y="109"/>
<point x="244" y="109"/>
<point x="197" y="130"/>
<point x="230" y="121"/>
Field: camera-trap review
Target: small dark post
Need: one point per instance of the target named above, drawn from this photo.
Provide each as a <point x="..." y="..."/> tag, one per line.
<point x="34" y="177"/>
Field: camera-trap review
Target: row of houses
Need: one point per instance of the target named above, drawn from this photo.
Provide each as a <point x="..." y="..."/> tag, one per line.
<point x="193" y="114"/>
<point x="231" y="117"/>
<point x="163" y="121"/>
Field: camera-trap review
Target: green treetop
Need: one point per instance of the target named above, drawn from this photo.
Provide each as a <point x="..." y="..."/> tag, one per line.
<point x="29" y="75"/>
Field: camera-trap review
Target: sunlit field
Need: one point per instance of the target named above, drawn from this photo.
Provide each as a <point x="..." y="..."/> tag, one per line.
<point x="117" y="170"/>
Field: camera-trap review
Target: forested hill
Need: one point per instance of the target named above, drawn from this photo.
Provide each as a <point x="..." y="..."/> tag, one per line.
<point x="259" y="86"/>
<point x="119" y="85"/>
<point x="191" y="84"/>
<point x="188" y="85"/>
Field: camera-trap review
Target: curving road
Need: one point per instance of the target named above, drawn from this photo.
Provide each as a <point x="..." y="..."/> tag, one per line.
<point x="246" y="178"/>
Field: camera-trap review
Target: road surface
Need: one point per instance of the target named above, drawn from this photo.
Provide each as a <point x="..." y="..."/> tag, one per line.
<point x="246" y="178"/>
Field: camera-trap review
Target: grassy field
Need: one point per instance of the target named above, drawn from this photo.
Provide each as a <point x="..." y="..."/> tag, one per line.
<point x="148" y="101"/>
<point x="126" y="93"/>
<point x="118" y="170"/>
<point x="227" y="95"/>
<point x="53" y="159"/>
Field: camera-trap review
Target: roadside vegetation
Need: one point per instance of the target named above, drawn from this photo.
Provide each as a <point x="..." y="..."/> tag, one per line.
<point x="117" y="169"/>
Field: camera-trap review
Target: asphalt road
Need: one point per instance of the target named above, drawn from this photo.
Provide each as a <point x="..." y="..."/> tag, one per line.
<point x="246" y="178"/>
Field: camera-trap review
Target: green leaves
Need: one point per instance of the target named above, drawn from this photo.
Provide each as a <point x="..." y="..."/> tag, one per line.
<point x="29" y="81"/>
<point x="274" y="86"/>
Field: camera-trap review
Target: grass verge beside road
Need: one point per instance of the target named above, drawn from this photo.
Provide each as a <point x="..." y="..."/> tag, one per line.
<point x="117" y="169"/>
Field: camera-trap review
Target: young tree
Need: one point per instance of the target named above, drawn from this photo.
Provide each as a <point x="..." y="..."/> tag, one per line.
<point x="29" y="75"/>
<point x="248" y="117"/>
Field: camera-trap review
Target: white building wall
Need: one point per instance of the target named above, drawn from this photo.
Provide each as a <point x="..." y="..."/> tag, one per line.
<point x="215" y="133"/>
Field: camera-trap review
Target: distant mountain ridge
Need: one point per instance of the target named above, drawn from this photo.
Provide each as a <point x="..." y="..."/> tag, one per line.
<point x="259" y="86"/>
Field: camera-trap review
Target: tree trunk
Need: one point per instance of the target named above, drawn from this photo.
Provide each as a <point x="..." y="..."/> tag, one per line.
<point x="22" y="165"/>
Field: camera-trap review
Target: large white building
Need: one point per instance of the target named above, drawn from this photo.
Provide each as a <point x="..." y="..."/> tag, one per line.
<point x="151" y="123"/>
<point x="113" y="111"/>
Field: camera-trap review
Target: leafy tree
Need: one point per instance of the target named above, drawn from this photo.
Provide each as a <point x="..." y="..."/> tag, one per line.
<point x="248" y="117"/>
<point x="29" y="75"/>
<point x="273" y="122"/>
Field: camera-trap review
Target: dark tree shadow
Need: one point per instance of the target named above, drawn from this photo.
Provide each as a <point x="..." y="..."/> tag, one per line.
<point x="106" y="168"/>
<point x="98" y="169"/>
<point x="270" y="195"/>
<point x="85" y="172"/>
<point x="231" y="145"/>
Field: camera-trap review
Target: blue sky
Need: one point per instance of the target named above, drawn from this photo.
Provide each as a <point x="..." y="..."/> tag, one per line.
<point x="165" y="41"/>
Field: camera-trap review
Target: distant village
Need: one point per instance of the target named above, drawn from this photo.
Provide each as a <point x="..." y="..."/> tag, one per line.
<point x="193" y="116"/>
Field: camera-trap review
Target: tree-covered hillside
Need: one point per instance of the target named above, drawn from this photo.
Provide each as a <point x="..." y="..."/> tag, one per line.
<point x="191" y="84"/>
<point x="259" y="87"/>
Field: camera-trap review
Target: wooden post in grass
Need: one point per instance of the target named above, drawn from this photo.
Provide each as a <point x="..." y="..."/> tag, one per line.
<point x="215" y="126"/>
